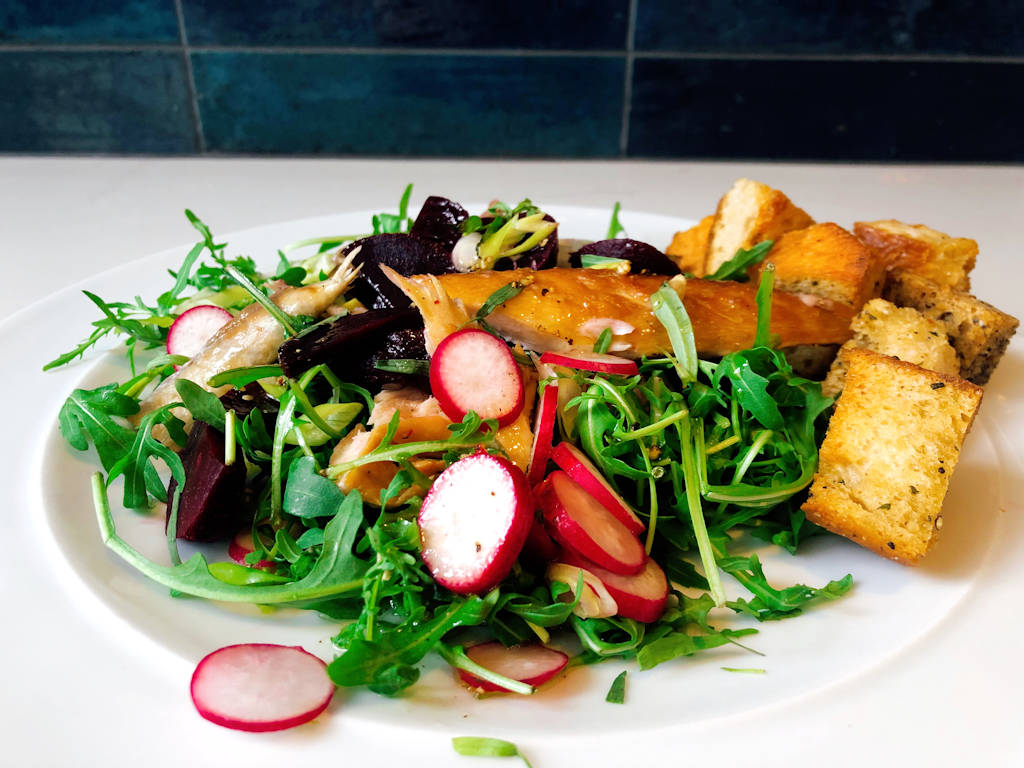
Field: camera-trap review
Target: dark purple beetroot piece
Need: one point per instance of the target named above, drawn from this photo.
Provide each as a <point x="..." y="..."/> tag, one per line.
<point x="247" y="399"/>
<point x="343" y="341"/>
<point x="401" y="345"/>
<point x="439" y="221"/>
<point x="403" y="253"/>
<point x="211" y="507"/>
<point x="644" y="258"/>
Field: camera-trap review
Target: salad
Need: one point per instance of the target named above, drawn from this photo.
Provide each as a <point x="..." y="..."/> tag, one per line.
<point x="394" y="429"/>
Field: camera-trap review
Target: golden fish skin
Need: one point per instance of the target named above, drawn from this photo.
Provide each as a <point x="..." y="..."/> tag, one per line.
<point x="562" y="309"/>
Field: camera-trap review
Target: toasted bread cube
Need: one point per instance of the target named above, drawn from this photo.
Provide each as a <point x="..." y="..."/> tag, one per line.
<point x="827" y="261"/>
<point x="748" y="214"/>
<point x="978" y="331"/>
<point x="689" y="248"/>
<point x="889" y="453"/>
<point x="900" y="332"/>
<point x="921" y="250"/>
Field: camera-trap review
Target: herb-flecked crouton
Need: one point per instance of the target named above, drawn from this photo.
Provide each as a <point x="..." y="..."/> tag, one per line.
<point x="749" y="213"/>
<point x="891" y="448"/>
<point x="978" y="331"/>
<point x="827" y="261"/>
<point x="689" y="248"/>
<point x="900" y="332"/>
<point x="921" y="250"/>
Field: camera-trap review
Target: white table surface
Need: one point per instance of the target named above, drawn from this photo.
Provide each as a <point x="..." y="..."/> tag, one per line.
<point x="64" y="220"/>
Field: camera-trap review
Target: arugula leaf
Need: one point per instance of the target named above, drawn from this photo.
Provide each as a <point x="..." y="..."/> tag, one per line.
<point x="736" y="267"/>
<point x="770" y="603"/>
<point x="308" y="493"/>
<point x="615" y="228"/>
<point x="337" y="570"/>
<point x="669" y="309"/>
<point x="749" y="388"/>
<point x="87" y="416"/>
<point x="203" y="405"/>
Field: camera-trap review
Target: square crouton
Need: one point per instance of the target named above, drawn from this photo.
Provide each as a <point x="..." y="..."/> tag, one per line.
<point x="921" y="250"/>
<point x="749" y="213"/>
<point x="827" y="261"/>
<point x="900" y="332"/>
<point x="689" y="249"/>
<point x="978" y="331"/>
<point x="889" y="453"/>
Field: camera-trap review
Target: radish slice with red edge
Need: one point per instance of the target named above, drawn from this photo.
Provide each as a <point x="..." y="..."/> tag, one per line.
<point x="579" y="467"/>
<point x="474" y="522"/>
<point x="471" y="370"/>
<point x="580" y="521"/>
<point x="241" y="545"/>
<point x="641" y="596"/>
<point x="582" y="360"/>
<point x="539" y="548"/>
<point x="194" y="327"/>
<point x="261" y="687"/>
<point x="531" y="664"/>
<point x="543" y="432"/>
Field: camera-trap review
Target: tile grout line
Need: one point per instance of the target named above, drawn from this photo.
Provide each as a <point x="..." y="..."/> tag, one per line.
<point x="501" y="52"/>
<point x="627" y="86"/>
<point x="197" y="121"/>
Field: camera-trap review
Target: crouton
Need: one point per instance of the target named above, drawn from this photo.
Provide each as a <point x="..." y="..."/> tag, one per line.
<point x="978" y="331"/>
<point x="901" y="332"/>
<point x="827" y="261"/>
<point x="889" y="453"/>
<point x="921" y="250"/>
<point x="749" y="213"/>
<point x="689" y="249"/>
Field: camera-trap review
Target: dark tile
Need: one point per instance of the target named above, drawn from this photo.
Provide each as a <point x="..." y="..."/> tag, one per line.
<point x="827" y="110"/>
<point x="982" y="27"/>
<point x="94" y="21"/>
<point x="531" y="24"/>
<point x="410" y="104"/>
<point x="94" y="102"/>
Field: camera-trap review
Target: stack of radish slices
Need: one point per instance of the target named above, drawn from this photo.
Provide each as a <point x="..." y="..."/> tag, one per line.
<point x="481" y="515"/>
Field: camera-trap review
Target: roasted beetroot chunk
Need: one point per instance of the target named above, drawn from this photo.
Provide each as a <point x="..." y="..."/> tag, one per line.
<point x="646" y="259"/>
<point x="211" y="506"/>
<point x="344" y="341"/>
<point x="407" y="344"/>
<point x="249" y="398"/>
<point x="406" y="255"/>
<point x="439" y="221"/>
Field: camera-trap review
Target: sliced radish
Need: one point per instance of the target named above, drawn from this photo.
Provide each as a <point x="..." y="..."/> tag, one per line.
<point x="194" y="327"/>
<point x="581" y="522"/>
<point x="261" y="687"/>
<point x="530" y="664"/>
<point x="580" y="468"/>
<point x="474" y="522"/>
<point x="582" y="360"/>
<point x="595" y="601"/>
<point x="641" y="596"/>
<point x="543" y="432"/>
<point x="241" y="545"/>
<point x="471" y="370"/>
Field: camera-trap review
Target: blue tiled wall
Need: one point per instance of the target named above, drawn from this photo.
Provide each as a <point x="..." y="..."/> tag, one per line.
<point x="913" y="80"/>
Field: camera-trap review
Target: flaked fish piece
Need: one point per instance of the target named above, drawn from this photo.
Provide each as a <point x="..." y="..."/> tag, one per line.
<point x="252" y="338"/>
<point x="558" y="309"/>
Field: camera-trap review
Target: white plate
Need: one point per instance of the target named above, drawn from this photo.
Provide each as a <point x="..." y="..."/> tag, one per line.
<point x="896" y="657"/>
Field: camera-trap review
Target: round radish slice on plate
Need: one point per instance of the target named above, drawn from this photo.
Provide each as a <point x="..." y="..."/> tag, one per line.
<point x="194" y="327"/>
<point x="474" y="522"/>
<point x="242" y="545"/>
<point x="580" y="522"/>
<point x="471" y="370"/>
<point x="576" y="465"/>
<point x="261" y="687"/>
<point x="582" y="360"/>
<point x="530" y="664"/>
<point x="641" y="596"/>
